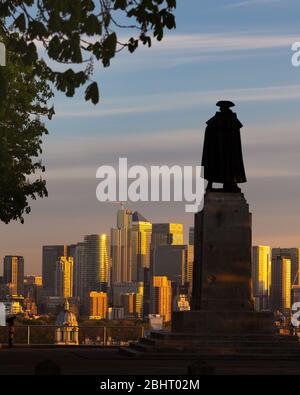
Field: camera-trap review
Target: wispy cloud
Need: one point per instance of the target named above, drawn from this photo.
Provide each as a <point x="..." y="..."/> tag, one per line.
<point x="235" y="41"/>
<point x="266" y="154"/>
<point x="180" y="101"/>
<point x="246" y="3"/>
<point x="181" y="49"/>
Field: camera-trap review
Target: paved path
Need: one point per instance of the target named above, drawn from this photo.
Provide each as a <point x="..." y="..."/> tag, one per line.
<point x="108" y="361"/>
<point x="85" y="361"/>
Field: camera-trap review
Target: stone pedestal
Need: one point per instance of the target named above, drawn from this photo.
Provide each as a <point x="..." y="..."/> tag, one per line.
<point x="222" y="263"/>
<point x="226" y="322"/>
<point x="222" y="300"/>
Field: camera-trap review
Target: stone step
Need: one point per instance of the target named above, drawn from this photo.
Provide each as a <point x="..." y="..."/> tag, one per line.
<point x="227" y="343"/>
<point x="198" y="337"/>
<point x="213" y="346"/>
<point x="215" y="357"/>
<point x="242" y="350"/>
<point x="141" y="347"/>
<point x="147" y="348"/>
<point x="257" y="349"/>
<point x="145" y="340"/>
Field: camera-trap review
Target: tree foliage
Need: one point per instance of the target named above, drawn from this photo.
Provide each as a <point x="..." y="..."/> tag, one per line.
<point x="81" y="32"/>
<point x="78" y="34"/>
<point x="21" y="128"/>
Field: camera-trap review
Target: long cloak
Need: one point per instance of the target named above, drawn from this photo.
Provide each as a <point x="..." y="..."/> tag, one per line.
<point x="222" y="157"/>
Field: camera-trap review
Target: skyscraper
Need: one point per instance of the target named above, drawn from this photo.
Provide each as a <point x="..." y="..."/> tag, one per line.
<point x="281" y="283"/>
<point x="64" y="277"/>
<point x="141" y="239"/>
<point x="162" y="297"/>
<point x="33" y="288"/>
<point x="96" y="263"/>
<point x="104" y="268"/>
<point x="121" y="248"/>
<point x="166" y="234"/>
<point x="51" y="254"/>
<point x="261" y="277"/>
<point x="190" y="264"/>
<point x="170" y="261"/>
<point x="192" y="235"/>
<point x="127" y="302"/>
<point x="78" y="272"/>
<point x="119" y="289"/>
<point x="98" y="305"/>
<point x="168" y="257"/>
<point x="188" y="270"/>
<point x="132" y="302"/>
<point x="294" y="255"/>
<point x="13" y="274"/>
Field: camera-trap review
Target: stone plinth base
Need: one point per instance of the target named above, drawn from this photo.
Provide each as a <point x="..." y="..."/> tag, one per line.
<point x="222" y="322"/>
<point x="222" y="264"/>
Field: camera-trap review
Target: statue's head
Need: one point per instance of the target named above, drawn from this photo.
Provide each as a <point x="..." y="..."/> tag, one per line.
<point x="225" y="105"/>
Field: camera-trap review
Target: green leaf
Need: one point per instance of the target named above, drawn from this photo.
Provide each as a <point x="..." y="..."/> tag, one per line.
<point x="54" y="47"/>
<point x="170" y="21"/>
<point x="120" y="4"/>
<point x="109" y="48"/>
<point x="31" y="55"/>
<point x="20" y="22"/>
<point x="65" y="27"/>
<point x="132" y="45"/>
<point x="37" y="29"/>
<point x="92" y="93"/>
<point x="171" y="3"/>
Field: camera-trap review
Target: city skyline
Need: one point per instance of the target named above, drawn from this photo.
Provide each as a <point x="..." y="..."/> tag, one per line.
<point x="161" y="120"/>
<point x="65" y="244"/>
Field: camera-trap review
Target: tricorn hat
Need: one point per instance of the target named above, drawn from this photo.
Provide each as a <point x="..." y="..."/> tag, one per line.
<point x="225" y="104"/>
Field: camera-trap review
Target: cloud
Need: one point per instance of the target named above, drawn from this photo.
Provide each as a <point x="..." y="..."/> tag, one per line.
<point x="179" y="101"/>
<point x="181" y="49"/>
<point x="267" y="153"/>
<point x="72" y="210"/>
<point x="247" y="3"/>
<point x="222" y="41"/>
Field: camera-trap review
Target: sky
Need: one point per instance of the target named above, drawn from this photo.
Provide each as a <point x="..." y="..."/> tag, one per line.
<point x="153" y="109"/>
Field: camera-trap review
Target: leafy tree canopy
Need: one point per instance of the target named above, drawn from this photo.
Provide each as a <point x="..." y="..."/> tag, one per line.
<point x="81" y="32"/>
<point x="77" y="33"/>
<point x="21" y="130"/>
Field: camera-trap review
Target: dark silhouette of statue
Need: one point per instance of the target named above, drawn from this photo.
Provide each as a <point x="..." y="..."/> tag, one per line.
<point x="222" y="152"/>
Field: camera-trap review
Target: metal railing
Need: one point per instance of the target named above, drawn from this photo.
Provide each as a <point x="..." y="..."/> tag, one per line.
<point x="104" y="336"/>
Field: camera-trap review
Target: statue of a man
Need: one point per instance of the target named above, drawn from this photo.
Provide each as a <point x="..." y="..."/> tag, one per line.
<point x="222" y="152"/>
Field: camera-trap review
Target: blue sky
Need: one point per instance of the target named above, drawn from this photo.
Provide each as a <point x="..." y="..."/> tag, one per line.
<point x="153" y="110"/>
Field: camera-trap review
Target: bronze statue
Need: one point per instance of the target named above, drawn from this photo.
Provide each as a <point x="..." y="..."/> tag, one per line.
<point x="222" y="151"/>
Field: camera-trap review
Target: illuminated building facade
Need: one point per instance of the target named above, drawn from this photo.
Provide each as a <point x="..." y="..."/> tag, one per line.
<point x="98" y="305"/>
<point x="133" y="303"/>
<point x="141" y="240"/>
<point x="64" y="277"/>
<point x="79" y="272"/>
<point x="188" y="269"/>
<point x="261" y="277"/>
<point x="13" y="275"/>
<point x="166" y="234"/>
<point x="281" y="283"/>
<point x="96" y="263"/>
<point x="127" y="302"/>
<point x="162" y="297"/>
<point x="121" y="248"/>
<point x="294" y="255"/>
<point x="51" y="254"/>
<point x="181" y="303"/>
